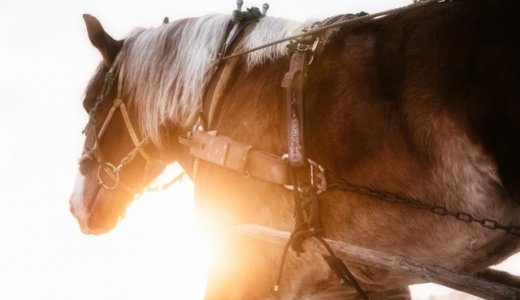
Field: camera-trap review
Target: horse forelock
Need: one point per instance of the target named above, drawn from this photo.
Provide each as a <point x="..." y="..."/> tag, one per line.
<point x="167" y="68"/>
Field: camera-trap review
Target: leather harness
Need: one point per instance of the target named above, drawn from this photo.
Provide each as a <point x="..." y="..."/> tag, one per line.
<point x="221" y="150"/>
<point x="228" y="153"/>
<point x="245" y="159"/>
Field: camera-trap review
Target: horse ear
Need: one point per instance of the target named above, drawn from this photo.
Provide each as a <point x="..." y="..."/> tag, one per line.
<point x="102" y="40"/>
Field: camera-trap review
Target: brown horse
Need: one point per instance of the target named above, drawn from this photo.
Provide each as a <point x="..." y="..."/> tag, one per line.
<point x="424" y="103"/>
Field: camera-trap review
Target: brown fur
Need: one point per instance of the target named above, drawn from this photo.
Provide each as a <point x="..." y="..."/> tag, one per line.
<point x="424" y="104"/>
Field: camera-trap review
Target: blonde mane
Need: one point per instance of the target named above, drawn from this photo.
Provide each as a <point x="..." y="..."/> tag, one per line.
<point x="167" y="68"/>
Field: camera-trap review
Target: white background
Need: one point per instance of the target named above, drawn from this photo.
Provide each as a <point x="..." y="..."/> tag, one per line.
<point x="46" y="61"/>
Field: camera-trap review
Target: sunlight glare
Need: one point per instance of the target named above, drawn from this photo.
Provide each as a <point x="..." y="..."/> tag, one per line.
<point x="170" y="211"/>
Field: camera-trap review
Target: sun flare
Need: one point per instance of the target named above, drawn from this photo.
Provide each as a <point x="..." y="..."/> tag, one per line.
<point x="167" y="220"/>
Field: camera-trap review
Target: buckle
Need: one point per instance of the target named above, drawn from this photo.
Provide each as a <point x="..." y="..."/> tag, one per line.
<point x="290" y="187"/>
<point x="316" y="173"/>
<point x="318" y="179"/>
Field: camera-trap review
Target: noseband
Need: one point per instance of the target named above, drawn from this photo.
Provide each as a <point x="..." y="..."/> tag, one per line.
<point x="108" y="168"/>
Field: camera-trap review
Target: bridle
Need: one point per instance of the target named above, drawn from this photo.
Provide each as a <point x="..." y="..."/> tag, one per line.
<point x="94" y="153"/>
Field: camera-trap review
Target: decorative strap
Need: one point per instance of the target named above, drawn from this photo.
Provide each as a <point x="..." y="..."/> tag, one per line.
<point x="293" y="83"/>
<point x="303" y="51"/>
<point x="230" y="154"/>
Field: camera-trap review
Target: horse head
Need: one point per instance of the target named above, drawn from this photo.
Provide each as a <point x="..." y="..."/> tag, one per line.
<point x="116" y="162"/>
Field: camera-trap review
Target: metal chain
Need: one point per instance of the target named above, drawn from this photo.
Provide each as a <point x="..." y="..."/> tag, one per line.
<point x="345" y="185"/>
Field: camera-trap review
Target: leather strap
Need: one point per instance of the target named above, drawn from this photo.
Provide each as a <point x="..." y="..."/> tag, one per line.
<point x="230" y="154"/>
<point x="118" y="103"/>
<point x="293" y="83"/>
<point x="221" y="77"/>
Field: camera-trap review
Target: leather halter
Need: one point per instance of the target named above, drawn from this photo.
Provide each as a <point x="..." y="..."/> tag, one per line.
<point x="105" y="167"/>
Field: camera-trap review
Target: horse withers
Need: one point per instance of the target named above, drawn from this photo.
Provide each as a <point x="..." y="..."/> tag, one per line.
<point x="422" y="103"/>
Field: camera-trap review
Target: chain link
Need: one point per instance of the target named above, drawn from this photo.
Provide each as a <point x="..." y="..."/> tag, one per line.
<point x="343" y="184"/>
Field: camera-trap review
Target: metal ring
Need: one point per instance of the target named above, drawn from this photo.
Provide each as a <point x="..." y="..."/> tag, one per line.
<point x="321" y="185"/>
<point x="113" y="170"/>
<point x="303" y="47"/>
<point x="289" y="187"/>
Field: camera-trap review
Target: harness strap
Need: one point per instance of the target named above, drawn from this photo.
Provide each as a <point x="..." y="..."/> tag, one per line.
<point x="131" y="131"/>
<point x="220" y="80"/>
<point x="105" y="124"/>
<point x="307" y="222"/>
<point x="293" y="82"/>
<point x="118" y="103"/>
<point x="216" y="89"/>
<point x="230" y="154"/>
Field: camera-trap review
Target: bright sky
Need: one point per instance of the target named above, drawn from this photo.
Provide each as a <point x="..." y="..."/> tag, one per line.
<point x="46" y="61"/>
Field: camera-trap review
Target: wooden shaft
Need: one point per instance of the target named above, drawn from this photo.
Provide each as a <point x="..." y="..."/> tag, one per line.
<point x="480" y="287"/>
